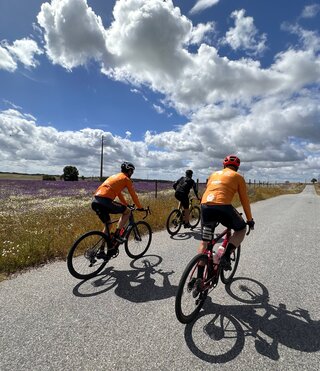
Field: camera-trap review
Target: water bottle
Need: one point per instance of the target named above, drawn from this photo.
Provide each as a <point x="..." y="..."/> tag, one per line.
<point x="217" y="256"/>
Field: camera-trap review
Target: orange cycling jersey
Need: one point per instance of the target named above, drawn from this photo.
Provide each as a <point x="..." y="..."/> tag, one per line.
<point x="222" y="186"/>
<point x="113" y="186"/>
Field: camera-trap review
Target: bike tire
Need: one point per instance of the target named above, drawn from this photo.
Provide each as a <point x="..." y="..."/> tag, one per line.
<point x="174" y="222"/>
<point x="227" y="276"/>
<point x="194" y="216"/>
<point x="138" y="240"/>
<point x="81" y="260"/>
<point x="186" y="312"/>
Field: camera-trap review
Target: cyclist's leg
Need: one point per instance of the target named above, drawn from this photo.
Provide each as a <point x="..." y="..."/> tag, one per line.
<point x="184" y="202"/>
<point x="185" y="205"/>
<point x="118" y="208"/>
<point x="103" y="214"/>
<point x="101" y="210"/>
<point x="208" y="223"/>
<point x="233" y="220"/>
<point x="123" y="219"/>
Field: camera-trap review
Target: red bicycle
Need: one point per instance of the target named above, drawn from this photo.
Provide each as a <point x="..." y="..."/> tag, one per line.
<point x="193" y="291"/>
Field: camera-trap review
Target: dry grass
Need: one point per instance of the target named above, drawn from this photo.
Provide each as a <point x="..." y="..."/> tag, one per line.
<point x="42" y="234"/>
<point x="317" y="188"/>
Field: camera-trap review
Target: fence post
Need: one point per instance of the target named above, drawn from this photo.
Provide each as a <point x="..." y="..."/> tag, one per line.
<point x="197" y="185"/>
<point x="156" y="185"/>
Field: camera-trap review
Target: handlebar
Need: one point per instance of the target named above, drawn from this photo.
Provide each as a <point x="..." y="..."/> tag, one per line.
<point x="146" y="210"/>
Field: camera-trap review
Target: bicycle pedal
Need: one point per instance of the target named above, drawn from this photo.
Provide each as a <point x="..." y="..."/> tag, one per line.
<point x="113" y="253"/>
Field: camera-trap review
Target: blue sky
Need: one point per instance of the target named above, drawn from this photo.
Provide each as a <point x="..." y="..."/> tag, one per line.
<point x="170" y="85"/>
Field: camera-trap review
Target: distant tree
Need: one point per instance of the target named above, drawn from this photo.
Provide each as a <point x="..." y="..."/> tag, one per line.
<point x="48" y="177"/>
<point x="70" y="173"/>
<point x="313" y="180"/>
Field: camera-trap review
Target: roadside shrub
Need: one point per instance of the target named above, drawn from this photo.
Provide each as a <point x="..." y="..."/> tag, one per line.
<point x="48" y="177"/>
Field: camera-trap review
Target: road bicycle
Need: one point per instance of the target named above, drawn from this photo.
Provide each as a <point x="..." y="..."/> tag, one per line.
<point x="193" y="291"/>
<point x="83" y="258"/>
<point x="175" y="218"/>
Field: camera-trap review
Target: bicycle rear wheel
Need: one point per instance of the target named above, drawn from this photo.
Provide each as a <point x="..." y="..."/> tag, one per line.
<point x="81" y="260"/>
<point x="227" y="276"/>
<point x="194" y="216"/>
<point x="174" y="222"/>
<point x="138" y="240"/>
<point x="192" y="291"/>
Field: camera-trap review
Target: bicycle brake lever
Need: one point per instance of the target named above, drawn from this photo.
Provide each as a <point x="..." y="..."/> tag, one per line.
<point x="248" y="231"/>
<point x="147" y="211"/>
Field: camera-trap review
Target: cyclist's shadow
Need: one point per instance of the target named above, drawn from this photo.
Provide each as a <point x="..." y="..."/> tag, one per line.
<point x="144" y="284"/>
<point x="224" y="328"/>
<point x="140" y="284"/>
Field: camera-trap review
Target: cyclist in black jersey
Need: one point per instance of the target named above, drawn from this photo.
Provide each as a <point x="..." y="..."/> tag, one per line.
<point x="182" y="187"/>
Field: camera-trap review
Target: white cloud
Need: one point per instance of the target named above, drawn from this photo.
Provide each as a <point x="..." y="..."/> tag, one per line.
<point x="310" y="11"/>
<point x="22" y="51"/>
<point x="74" y="34"/>
<point x="26" y="146"/>
<point x="269" y="116"/>
<point x="158" y="109"/>
<point x="245" y="35"/>
<point x="147" y="42"/>
<point x="200" y="32"/>
<point x="309" y="40"/>
<point x="146" y="39"/>
<point x="201" y="5"/>
<point x="6" y="61"/>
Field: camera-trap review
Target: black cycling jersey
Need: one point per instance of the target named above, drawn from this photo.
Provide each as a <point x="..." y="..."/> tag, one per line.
<point x="184" y="185"/>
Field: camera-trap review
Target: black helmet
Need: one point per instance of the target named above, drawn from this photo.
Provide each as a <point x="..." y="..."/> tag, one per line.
<point x="126" y="166"/>
<point x="189" y="173"/>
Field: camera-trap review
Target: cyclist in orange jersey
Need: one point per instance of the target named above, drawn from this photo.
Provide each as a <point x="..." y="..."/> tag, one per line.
<point x="216" y="206"/>
<point x="103" y="201"/>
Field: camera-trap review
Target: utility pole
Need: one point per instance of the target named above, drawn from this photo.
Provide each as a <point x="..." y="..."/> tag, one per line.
<point x="101" y="161"/>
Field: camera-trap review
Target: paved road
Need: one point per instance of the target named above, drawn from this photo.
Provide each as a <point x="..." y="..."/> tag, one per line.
<point x="268" y="319"/>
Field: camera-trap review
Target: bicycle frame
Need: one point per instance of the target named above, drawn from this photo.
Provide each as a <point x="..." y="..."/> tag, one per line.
<point x="191" y="202"/>
<point x="125" y="230"/>
<point x="214" y="277"/>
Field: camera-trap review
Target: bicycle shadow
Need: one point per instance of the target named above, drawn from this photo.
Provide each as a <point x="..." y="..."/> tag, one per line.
<point x="191" y="233"/>
<point x="224" y="328"/>
<point x="141" y="284"/>
<point x="188" y="234"/>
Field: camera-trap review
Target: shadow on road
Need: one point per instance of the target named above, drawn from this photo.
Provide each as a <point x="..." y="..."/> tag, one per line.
<point x="218" y="334"/>
<point x="140" y="284"/>
<point x="187" y="235"/>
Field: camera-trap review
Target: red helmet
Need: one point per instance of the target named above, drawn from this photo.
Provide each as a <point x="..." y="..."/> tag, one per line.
<point x="232" y="160"/>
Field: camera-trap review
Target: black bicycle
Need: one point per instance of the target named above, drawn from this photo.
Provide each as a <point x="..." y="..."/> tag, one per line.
<point x="192" y="290"/>
<point x="175" y="218"/>
<point x="83" y="258"/>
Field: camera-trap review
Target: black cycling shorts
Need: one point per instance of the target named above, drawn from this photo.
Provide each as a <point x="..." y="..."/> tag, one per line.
<point x="183" y="198"/>
<point x="104" y="206"/>
<point x="227" y="215"/>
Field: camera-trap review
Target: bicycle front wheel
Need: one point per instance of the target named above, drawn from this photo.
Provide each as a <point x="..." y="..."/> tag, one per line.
<point x="227" y="276"/>
<point x="138" y="240"/>
<point x="194" y="216"/>
<point x="81" y="260"/>
<point x="174" y="222"/>
<point x="192" y="291"/>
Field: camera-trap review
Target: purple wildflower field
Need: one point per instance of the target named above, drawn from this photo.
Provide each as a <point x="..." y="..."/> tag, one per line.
<point x="47" y="189"/>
